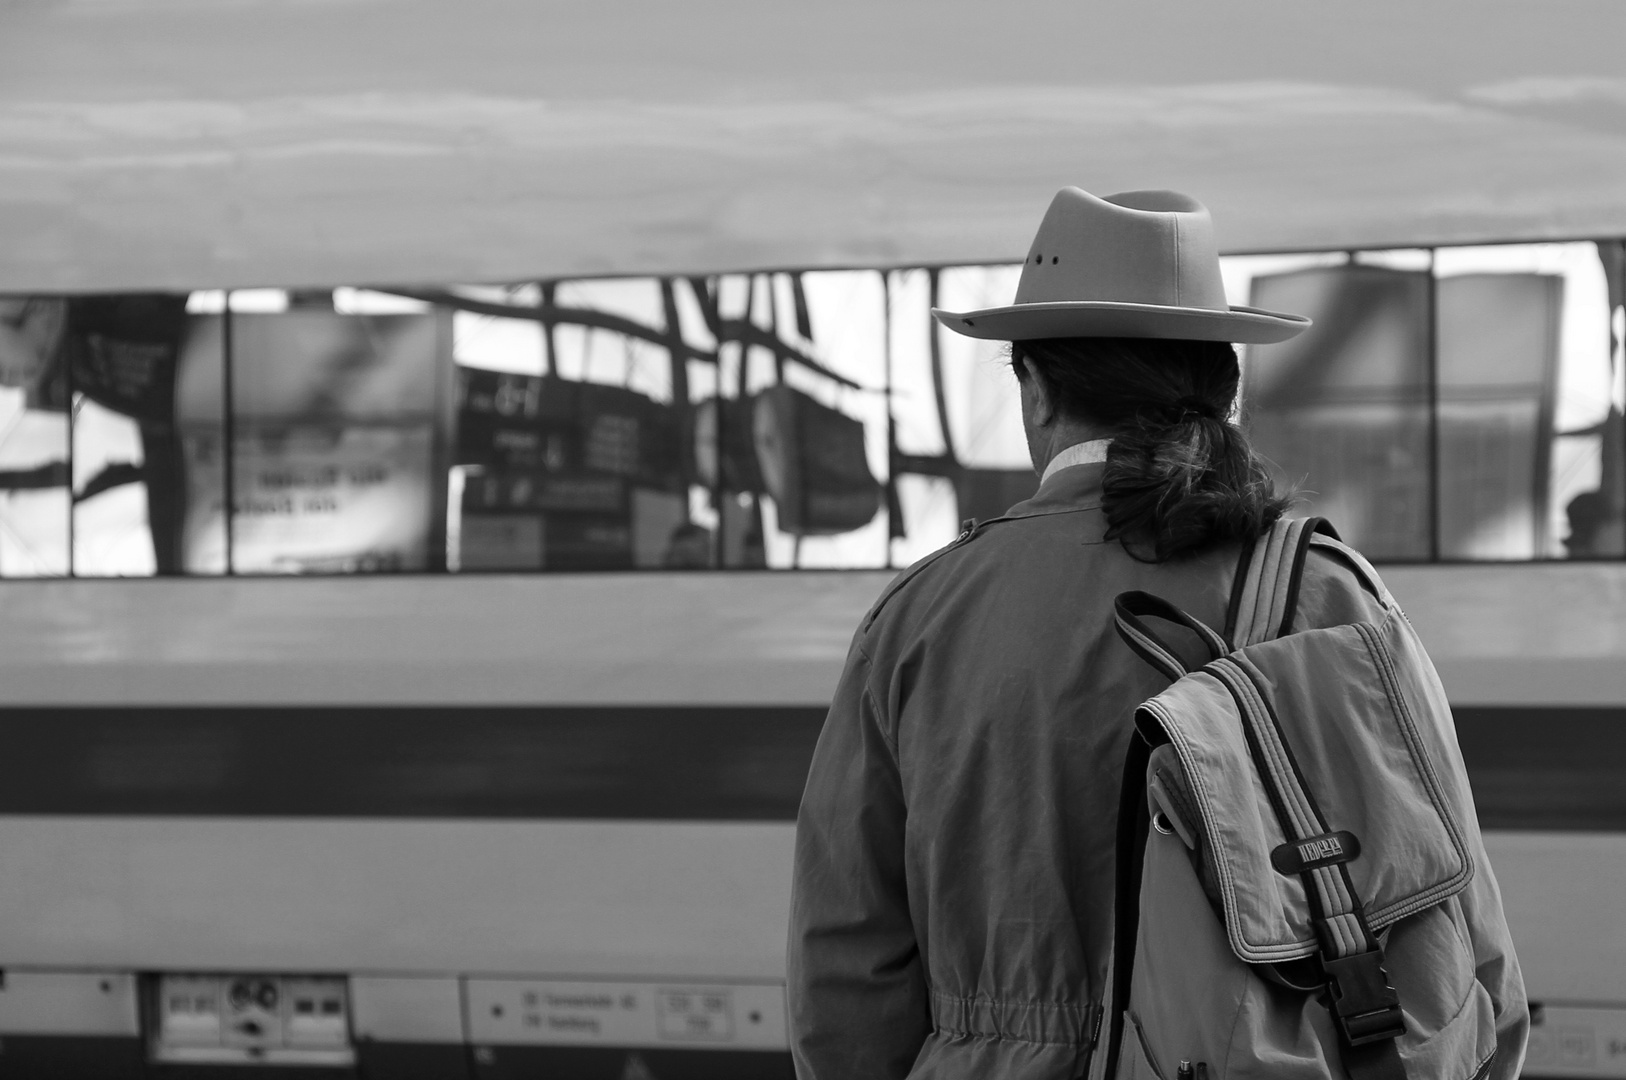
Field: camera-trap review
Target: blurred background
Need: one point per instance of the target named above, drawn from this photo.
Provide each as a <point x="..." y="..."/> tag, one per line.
<point x="508" y="410"/>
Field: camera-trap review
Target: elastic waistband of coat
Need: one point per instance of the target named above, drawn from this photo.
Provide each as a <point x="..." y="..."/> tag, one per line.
<point x="1026" y="1021"/>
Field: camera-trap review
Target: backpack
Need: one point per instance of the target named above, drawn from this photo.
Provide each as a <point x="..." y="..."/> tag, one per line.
<point x="1295" y="836"/>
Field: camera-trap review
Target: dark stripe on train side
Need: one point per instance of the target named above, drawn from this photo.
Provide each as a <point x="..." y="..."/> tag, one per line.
<point x="701" y="763"/>
<point x="1544" y="768"/>
<point x="74" y="1057"/>
<point x="1532" y="768"/>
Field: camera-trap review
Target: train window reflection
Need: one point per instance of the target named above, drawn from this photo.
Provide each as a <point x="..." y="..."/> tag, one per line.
<point x="34" y="452"/>
<point x="821" y="434"/>
<point x="114" y="488"/>
<point x="958" y="447"/>
<point x="569" y="442"/>
<point x="196" y="489"/>
<point x="1342" y="410"/>
<point x="980" y="400"/>
<point x="1457" y="403"/>
<point x="331" y="454"/>
<point x="123" y="352"/>
<point x="1530" y="437"/>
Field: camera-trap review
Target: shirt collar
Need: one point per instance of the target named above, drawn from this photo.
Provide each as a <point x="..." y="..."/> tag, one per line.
<point x="1084" y="453"/>
<point x="1065" y="489"/>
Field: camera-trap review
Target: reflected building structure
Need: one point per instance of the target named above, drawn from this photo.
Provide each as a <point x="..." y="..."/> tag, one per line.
<point x="1449" y="404"/>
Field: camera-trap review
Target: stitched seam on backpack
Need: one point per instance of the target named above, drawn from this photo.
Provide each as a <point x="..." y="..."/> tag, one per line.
<point x="1244" y="948"/>
<point x="1299" y="804"/>
<point x="1363" y="571"/>
<point x="1296" y="801"/>
<point x="1247" y="950"/>
<point x="1338" y="900"/>
<point x="1391" y="688"/>
<point x="1420" y="758"/>
<point x="1206" y="798"/>
<point x="1186" y="806"/>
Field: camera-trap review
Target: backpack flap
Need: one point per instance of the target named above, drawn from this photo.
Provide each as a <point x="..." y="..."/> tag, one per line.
<point x="1363" y="733"/>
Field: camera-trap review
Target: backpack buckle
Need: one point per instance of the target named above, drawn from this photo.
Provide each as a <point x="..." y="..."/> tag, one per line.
<point x="1364" y="1004"/>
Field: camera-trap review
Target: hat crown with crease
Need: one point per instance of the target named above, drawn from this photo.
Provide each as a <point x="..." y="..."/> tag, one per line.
<point x="1137" y="247"/>
<point x="1138" y="264"/>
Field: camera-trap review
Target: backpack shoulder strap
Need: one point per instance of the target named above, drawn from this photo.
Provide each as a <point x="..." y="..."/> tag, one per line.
<point x="1266" y="589"/>
<point x="1365" y="1007"/>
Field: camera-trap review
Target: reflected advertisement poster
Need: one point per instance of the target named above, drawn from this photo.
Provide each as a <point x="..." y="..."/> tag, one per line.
<point x="334" y="445"/>
<point x="313" y="499"/>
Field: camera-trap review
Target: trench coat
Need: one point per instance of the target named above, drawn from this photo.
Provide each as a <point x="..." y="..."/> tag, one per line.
<point x="953" y="882"/>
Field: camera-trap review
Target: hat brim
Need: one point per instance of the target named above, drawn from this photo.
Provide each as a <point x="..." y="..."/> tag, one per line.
<point x="1101" y="318"/>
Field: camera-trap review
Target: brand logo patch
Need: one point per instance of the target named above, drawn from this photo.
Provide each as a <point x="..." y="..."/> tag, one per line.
<point x="1315" y="850"/>
<point x="1328" y="849"/>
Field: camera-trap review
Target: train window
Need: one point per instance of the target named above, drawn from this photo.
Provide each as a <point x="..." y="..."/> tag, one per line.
<point x="329" y="452"/>
<point x="1461" y="403"/>
<point x="1342" y="411"/>
<point x="1457" y="403"/>
<point x="507" y="353"/>
<point x="568" y="448"/>
<point x="122" y="355"/>
<point x="188" y="525"/>
<point x="1529" y="435"/>
<point x="118" y="469"/>
<point x="957" y="442"/>
<point x="821" y="429"/>
<point x="979" y="400"/>
<point x="790" y="443"/>
<point x="35" y="518"/>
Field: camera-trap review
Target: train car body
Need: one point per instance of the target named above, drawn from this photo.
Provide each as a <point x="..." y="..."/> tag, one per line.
<point x="464" y="795"/>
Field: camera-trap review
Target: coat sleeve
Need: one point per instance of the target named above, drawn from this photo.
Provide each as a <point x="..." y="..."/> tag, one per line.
<point x="856" y="986"/>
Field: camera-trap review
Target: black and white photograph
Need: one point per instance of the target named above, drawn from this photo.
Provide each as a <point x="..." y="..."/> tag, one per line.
<point x="825" y="540"/>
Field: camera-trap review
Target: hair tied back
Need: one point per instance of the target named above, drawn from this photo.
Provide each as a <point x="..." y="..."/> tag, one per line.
<point x="1179" y="475"/>
<point x="1191" y="408"/>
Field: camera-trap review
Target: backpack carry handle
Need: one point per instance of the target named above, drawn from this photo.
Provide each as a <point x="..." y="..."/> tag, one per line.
<point x="1130" y="610"/>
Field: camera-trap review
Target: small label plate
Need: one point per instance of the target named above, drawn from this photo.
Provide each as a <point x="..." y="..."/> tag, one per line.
<point x="1327" y="849"/>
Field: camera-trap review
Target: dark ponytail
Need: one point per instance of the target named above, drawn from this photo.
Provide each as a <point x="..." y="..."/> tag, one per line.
<point x="1179" y="475"/>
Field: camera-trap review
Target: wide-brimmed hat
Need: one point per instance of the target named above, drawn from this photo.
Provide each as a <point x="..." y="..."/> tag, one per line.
<point x="1136" y="264"/>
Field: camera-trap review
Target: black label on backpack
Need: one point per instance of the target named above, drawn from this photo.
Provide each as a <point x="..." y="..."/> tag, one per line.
<point x="1328" y="849"/>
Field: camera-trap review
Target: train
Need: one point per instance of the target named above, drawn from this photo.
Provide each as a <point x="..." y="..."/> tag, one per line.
<point x="437" y="810"/>
<point x="520" y="825"/>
